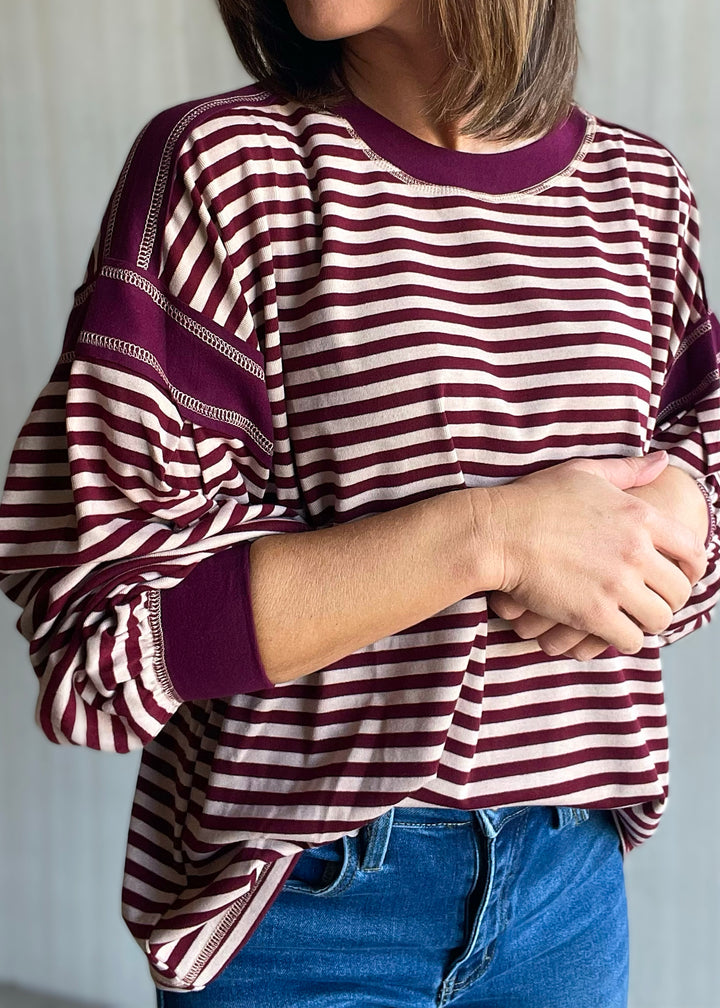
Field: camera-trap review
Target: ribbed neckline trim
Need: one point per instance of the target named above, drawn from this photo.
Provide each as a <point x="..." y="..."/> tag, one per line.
<point x="500" y="173"/>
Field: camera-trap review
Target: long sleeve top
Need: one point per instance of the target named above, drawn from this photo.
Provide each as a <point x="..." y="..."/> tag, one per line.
<point x="293" y="319"/>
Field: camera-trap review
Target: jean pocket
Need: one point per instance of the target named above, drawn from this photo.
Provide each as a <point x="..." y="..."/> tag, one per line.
<point x="325" y="870"/>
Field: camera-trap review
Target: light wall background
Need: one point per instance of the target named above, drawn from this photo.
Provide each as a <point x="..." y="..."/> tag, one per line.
<point x="78" y="78"/>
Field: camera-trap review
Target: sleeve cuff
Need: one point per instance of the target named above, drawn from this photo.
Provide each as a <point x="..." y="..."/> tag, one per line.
<point x="209" y="632"/>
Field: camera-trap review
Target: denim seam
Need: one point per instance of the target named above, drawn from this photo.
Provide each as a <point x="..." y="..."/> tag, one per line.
<point x="513" y="815"/>
<point x="501" y="900"/>
<point x="346" y="875"/>
<point x="376" y="839"/>
<point x="430" y="825"/>
<point x="450" y="985"/>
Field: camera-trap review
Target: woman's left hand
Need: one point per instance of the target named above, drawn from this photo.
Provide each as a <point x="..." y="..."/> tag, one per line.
<point x="674" y="492"/>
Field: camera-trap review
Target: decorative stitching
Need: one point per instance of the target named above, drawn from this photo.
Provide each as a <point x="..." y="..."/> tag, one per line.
<point x="119" y="189"/>
<point x="685" y="400"/>
<point x="148" y="239"/>
<point x="84" y="294"/>
<point x="712" y="518"/>
<point x="424" y="825"/>
<point x="189" y="402"/>
<point x="692" y="337"/>
<point x="392" y="169"/>
<point x="223" y="927"/>
<point x="160" y="299"/>
<point x="159" y="663"/>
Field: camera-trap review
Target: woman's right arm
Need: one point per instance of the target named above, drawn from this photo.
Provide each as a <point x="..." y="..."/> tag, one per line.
<point x="566" y="540"/>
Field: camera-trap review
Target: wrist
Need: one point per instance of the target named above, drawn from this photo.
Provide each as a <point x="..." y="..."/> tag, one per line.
<point x="489" y="538"/>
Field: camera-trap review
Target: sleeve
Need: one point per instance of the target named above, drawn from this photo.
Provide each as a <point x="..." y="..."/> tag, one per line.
<point x="144" y="472"/>
<point x="688" y="418"/>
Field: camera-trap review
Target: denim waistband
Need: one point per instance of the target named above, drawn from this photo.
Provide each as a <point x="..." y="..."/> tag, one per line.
<point x="432" y="814"/>
<point x="376" y="835"/>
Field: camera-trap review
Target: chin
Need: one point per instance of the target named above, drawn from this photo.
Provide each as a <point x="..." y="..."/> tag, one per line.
<point x="328" y="20"/>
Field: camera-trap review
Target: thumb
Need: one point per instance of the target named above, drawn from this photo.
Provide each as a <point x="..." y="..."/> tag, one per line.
<point x="626" y="473"/>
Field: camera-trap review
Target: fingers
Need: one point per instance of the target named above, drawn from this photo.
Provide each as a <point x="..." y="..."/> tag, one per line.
<point x="650" y="612"/>
<point x="505" y="606"/>
<point x="652" y="604"/>
<point x="669" y="582"/>
<point x="530" y="626"/>
<point x="679" y="543"/>
<point x="562" y="640"/>
<point x="554" y="638"/>
<point x="625" y="473"/>
<point x="591" y="647"/>
<point x="643" y="602"/>
<point x="646" y="611"/>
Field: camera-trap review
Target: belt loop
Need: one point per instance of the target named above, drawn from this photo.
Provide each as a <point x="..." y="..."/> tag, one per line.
<point x="567" y="815"/>
<point x="563" y="816"/>
<point x="377" y="838"/>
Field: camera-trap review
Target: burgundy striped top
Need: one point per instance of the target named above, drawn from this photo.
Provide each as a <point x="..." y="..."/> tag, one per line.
<point x="293" y="319"/>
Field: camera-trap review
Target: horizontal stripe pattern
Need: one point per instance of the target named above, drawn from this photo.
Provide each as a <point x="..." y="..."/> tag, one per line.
<point x="282" y="333"/>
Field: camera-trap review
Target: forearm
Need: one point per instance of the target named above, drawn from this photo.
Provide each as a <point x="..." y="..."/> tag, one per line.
<point x="319" y="596"/>
<point x="566" y="539"/>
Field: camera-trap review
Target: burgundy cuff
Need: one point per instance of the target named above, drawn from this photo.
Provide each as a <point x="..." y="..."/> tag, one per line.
<point x="207" y="621"/>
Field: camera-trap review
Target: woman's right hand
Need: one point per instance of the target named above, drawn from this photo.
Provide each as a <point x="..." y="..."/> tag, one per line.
<point x="576" y="549"/>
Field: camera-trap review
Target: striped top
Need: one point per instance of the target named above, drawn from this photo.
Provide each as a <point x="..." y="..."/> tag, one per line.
<point x="293" y="319"/>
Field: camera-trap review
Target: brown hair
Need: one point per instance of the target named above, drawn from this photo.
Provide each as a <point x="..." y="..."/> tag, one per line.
<point x="511" y="63"/>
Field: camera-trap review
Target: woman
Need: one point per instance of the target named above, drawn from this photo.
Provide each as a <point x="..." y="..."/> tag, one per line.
<point x="405" y="299"/>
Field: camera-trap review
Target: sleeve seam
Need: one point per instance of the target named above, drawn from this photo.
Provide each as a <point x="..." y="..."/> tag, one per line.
<point x="712" y="517"/>
<point x="159" y="662"/>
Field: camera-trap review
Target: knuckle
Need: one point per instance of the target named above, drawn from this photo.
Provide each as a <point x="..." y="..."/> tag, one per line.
<point x="522" y="629"/>
<point x="552" y="650"/>
<point x="555" y="648"/>
<point x="682" y="597"/>
<point x="597" y="612"/>
<point x="557" y="641"/>
<point x="638" y="511"/>
<point x="635" y="549"/>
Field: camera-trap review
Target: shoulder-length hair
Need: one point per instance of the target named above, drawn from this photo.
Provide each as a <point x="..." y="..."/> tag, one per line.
<point x="510" y="73"/>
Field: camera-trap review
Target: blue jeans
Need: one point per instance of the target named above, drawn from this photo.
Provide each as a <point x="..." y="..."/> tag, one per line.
<point x="505" y="908"/>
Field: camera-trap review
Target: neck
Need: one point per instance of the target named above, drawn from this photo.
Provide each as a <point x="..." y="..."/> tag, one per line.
<point x="394" y="69"/>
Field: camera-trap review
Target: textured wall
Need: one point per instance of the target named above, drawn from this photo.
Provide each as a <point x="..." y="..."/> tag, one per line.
<point x="653" y="64"/>
<point x="77" y="80"/>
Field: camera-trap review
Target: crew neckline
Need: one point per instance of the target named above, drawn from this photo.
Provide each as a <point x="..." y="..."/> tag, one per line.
<point x="496" y="173"/>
